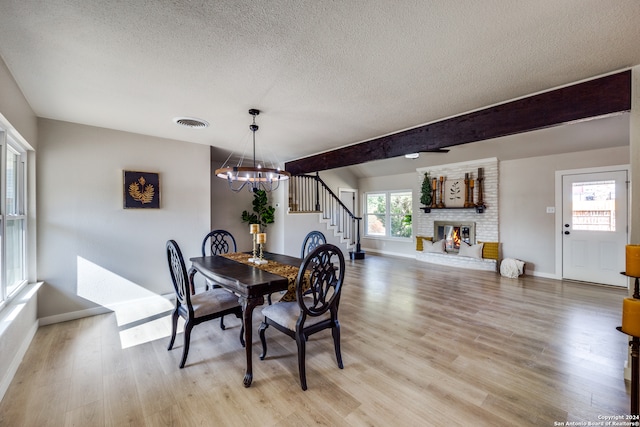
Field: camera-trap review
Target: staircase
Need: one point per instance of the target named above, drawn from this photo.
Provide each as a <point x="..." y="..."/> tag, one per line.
<point x="310" y="194"/>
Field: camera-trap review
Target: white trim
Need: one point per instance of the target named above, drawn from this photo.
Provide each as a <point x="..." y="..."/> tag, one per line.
<point x="540" y="274"/>
<point x="4" y="123"/>
<point x="398" y="254"/>
<point x="73" y="315"/>
<point x="17" y="360"/>
<point x="458" y="164"/>
<point x="559" y="207"/>
<point x="14" y="312"/>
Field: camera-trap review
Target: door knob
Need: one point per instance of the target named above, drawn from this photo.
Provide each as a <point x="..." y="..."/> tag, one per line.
<point x="567" y="232"/>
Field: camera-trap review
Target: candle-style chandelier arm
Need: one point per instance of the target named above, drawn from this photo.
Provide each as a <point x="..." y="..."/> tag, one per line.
<point x="253" y="177"/>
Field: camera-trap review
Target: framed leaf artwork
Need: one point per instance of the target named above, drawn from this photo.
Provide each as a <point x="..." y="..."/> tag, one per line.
<point x="141" y="190"/>
<point x="454" y="193"/>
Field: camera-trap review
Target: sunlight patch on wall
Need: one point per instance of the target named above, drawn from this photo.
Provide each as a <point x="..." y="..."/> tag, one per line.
<point x="141" y="315"/>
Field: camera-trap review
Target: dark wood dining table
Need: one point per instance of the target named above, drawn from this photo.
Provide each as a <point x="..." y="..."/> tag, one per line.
<point x="249" y="282"/>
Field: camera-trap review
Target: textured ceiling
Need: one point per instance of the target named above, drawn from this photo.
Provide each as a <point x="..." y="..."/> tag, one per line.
<point x="325" y="73"/>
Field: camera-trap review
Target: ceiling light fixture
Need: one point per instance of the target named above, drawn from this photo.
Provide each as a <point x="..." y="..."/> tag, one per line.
<point x="256" y="177"/>
<point x="412" y="155"/>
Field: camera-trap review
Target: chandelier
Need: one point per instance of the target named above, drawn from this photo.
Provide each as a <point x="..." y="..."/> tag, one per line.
<point x="256" y="177"/>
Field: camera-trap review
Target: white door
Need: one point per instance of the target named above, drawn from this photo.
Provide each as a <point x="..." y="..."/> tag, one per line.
<point x="594" y="227"/>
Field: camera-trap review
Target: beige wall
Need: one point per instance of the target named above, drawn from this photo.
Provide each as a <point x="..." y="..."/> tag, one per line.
<point x="526" y="187"/>
<point x="82" y="223"/>
<point x="406" y="181"/>
<point x="18" y="320"/>
<point x="15" y="108"/>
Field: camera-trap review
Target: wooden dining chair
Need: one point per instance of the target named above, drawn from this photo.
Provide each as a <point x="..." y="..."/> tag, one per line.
<point x="197" y="308"/>
<point x="311" y="241"/>
<point x="217" y="242"/>
<point x="316" y="306"/>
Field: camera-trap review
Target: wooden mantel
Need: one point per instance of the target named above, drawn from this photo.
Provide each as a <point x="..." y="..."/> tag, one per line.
<point x="590" y="99"/>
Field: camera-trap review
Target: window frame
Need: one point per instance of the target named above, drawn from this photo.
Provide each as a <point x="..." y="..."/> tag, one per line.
<point x="387" y="215"/>
<point x="12" y="142"/>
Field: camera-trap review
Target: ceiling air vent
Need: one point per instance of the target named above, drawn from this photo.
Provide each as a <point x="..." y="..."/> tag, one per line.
<point x="191" y="122"/>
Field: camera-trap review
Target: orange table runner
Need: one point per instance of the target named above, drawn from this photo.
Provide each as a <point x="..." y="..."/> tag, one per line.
<point x="284" y="270"/>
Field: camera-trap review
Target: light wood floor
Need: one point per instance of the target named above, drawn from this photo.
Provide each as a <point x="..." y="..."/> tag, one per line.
<point x="422" y="345"/>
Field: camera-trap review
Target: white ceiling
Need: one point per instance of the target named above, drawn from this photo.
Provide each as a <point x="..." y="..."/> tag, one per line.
<point x="324" y="73"/>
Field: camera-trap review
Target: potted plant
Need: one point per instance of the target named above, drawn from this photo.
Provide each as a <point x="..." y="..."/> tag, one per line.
<point x="425" y="196"/>
<point x="263" y="213"/>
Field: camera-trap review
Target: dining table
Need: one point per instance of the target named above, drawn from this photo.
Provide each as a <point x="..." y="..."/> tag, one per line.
<point x="251" y="282"/>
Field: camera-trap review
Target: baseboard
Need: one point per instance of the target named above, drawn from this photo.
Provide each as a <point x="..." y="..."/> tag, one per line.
<point x="18" y="326"/>
<point x="399" y="254"/>
<point x="543" y="275"/>
<point x="79" y="314"/>
<point x="15" y="363"/>
<point x="73" y="315"/>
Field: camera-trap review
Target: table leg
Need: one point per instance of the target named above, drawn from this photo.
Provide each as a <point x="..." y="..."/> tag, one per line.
<point x="247" y="317"/>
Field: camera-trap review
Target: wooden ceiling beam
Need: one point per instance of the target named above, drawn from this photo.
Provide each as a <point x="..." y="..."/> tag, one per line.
<point x="594" y="98"/>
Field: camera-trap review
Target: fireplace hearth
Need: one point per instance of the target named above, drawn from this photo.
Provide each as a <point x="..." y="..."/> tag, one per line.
<point x="453" y="233"/>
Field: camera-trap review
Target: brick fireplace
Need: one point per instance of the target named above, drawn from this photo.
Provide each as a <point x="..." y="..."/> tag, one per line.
<point x="473" y="226"/>
<point x="453" y="233"/>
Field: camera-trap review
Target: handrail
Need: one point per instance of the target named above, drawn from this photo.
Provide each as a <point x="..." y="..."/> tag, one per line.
<point x="309" y="193"/>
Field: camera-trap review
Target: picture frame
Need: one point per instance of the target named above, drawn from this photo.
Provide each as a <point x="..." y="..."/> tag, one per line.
<point x="141" y="190"/>
<point x="454" y="193"/>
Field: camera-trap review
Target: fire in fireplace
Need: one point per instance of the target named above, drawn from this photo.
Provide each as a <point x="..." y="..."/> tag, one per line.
<point x="453" y="233"/>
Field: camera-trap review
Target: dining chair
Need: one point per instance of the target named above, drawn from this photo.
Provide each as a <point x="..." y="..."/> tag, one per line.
<point x="197" y="308"/>
<point x="318" y="289"/>
<point x="217" y="242"/>
<point x="311" y="241"/>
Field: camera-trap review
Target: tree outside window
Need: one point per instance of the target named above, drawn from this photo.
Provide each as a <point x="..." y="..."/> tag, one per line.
<point x="400" y="208"/>
<point x="389" y="214"/>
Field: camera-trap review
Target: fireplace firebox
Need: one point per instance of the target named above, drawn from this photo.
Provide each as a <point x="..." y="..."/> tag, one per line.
<point x="453" y="233"/>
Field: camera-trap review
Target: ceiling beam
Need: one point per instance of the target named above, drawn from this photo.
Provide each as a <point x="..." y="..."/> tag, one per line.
<point x="594" y="98"/>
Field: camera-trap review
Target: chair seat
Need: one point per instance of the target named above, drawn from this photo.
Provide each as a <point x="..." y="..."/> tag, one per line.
<point x="212" y="301"/>
<point x="287" y="313"/>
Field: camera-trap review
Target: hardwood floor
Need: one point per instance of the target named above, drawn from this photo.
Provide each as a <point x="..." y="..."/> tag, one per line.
<point x="422" y="345"/>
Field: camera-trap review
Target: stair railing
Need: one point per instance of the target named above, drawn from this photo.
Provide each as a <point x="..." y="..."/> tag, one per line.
<point x="309" y="193"/>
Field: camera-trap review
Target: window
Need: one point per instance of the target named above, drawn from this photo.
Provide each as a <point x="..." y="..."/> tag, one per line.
<point x="388" y="214"/>
<point x="594" y="206"/>
<point x="13" y="218"/>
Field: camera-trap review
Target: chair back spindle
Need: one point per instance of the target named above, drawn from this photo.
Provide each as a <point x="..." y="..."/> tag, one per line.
<point x="218" y="242"/>
<point x="179" y="275"/>
<point x="324" y="270"/>
<point x="311" y="241"/>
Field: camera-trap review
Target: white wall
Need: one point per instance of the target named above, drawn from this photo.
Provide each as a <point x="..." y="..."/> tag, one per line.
<point x="83" y="226"/>
<point x="294" y="227"/>
<point x="227" y="207"/>
<point x="527" y="187"/>
<point x="405" y="181"/>
<point x="18" y="320"/>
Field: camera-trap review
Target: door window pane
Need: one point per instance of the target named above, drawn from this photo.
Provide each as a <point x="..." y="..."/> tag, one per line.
<point x="594" y="206"/>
